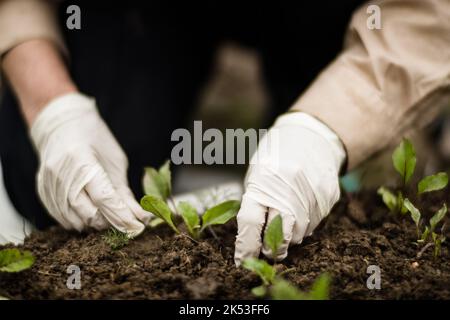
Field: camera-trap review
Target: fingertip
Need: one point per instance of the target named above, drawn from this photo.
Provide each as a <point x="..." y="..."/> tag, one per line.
<point x="251" y="218"/>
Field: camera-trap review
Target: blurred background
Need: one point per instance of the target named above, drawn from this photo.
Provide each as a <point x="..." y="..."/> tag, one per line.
<point x="235" y="97"/>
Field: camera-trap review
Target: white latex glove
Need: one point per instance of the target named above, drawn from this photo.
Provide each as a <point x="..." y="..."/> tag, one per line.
<point x="294" y="173"/>
<point x="82" y="178"/>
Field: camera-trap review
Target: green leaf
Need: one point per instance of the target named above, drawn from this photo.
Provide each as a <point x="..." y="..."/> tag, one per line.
<point x="437" y="239"/>
<point x="424" y="235"/>
<point x="14" y="260"/>
<point x="259" y="291"/>
<point x="166" y="176"/>
<point x="404" y="160"/>
<point x="159" y="208"/>
<point x="264" y="270"/>
<point x="433" y="183"/>
<point x="415" y="213"/>
<point x="321" y="288"/>
<point x="274" y="235"/>
<point x="401" y="203"/>
<point x="155" y="222"/>
<point x="158" y="183"/>
<point x="434" y="236"/>
<point x="437" y="249"/>
<point x="283" y="290"/>
<point x="190" y="217"/>
<point x="389" y="199"/>
<point x="220" y="214"/>
<point x="438" y="217"/>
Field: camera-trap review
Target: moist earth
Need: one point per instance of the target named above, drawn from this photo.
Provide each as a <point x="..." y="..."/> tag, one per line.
<point x="160" y="265"/>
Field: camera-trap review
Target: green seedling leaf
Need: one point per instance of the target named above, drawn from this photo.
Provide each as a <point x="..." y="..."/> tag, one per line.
<point x="437" y="239"/>
<point x="321" y="288"/>
<point x="15" y="260"/>
<point x="404" y="160"/>
<point x="434" y="236"/>
<point x="389" y="199"/>
<point x="220" y="214"/>
<point x="438" y="245"/>
<point x="259" y="291"/>
<point x="166" y="177"/>
<point x="274" y="235"/>
<point x="158" y="183"/>
<point x="433" y="183"/>
<point x="437" y="248"/>
<point x="283" y="290"/>
<point x="264" y="270"/>
<point x="415" y="213"/>
<point x="401" y="203"/>
<point x="438" y="217"/>
<point x="190" y="218"/>
<point x="155" y="222"/>
<point x="424" y="235"/>
<point x="159" y="208"/>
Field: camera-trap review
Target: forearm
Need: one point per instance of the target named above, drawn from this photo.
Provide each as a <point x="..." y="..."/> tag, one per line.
<point x="37" y="74"/>
<point x="385" y="83"/>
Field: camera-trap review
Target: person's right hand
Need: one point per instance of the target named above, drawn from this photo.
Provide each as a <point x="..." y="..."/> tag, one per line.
<point x="82" y="178"/>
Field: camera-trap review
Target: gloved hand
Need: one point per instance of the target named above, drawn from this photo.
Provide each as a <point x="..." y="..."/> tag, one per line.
<point x="82" y="178"/>
<point x="294" y="173"/>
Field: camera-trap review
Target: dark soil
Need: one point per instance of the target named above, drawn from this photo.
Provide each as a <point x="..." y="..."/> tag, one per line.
<point x="159" y="265"/>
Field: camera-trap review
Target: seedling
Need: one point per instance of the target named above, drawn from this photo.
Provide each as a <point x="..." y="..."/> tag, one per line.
<point x="423" y="235"/>
<point x="404" y="160"/>
<point x="116" y="239"/>
<point x="320" y="290"/>
<point x="219" y="214"/>
<point x="274" y="236"/>
<point x="15" y="260"/>
<point x="158" y="189"/>
<point x="272" y="282"/>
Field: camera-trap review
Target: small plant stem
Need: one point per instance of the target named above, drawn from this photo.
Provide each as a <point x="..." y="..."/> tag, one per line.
<point x="175" y="229"/>
<point x="422" y="251"/>
<point x="287" y="271"/>
<point x="176" y="212"/>
<point x="189" y="237"/>
<point x="213" y="234"/>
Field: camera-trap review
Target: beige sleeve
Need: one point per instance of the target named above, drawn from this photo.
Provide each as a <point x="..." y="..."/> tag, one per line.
<point x="386" y="81"/>
<point x="22" y="20"/>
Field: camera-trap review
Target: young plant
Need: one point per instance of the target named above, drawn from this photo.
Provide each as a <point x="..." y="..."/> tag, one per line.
<point x="15" y="260"/>
<point x="116" y="239"/>
<point x="320" y="290"/>
<point x="272" y="282"/>
<point x="423" y="236"/>
<point x="157" y="186"/>
<point x="273" y="238"/>
<point x="158" y="189"/>
<point x="404" y="160"/>
<point x="219" y="214"/>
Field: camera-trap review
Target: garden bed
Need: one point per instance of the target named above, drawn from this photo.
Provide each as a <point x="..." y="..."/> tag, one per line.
<point x="160" y="265"/>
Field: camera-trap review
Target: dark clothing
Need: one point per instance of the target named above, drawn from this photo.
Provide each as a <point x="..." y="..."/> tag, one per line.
<point x="145" y="64"/>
